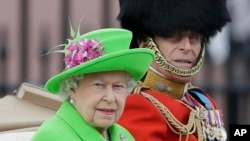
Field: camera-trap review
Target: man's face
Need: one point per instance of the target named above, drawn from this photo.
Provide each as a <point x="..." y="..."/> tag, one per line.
<point x="182" y="50"/>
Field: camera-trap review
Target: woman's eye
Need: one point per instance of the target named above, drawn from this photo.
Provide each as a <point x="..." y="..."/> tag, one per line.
<point x="98" y="84"/>
<point x="119" y="86"/>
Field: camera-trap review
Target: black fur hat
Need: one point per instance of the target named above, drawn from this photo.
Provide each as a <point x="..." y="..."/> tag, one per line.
<point x="163" y="17"/>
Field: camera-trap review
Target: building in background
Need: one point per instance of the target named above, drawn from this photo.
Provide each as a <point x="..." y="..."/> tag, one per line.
<point x="31" y="28"/>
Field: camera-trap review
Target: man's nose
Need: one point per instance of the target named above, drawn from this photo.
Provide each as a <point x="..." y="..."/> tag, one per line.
<point x="185" y="43"/>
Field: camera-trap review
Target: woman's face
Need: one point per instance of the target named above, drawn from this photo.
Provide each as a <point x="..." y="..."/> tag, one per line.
<point x="181" y="50"/>
<point x="100" y="98"/>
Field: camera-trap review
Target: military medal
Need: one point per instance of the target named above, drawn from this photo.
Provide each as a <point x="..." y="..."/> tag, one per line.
<point x="214" y="126"/>
<point x="220" y="134"/>
<point x="210" y="133"/>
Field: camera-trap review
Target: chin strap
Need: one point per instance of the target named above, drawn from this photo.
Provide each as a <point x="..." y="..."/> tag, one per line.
<point x="149" y="43"/>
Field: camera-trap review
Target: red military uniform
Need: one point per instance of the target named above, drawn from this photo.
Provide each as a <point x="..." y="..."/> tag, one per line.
<point x="148" y="120"/>
<point x="166" y="107"/>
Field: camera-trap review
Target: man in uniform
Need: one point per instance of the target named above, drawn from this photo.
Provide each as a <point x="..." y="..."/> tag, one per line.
<point x="166" y="106"/>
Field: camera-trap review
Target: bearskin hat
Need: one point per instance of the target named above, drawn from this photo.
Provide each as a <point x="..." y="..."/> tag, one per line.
<point x="163" y="17"/>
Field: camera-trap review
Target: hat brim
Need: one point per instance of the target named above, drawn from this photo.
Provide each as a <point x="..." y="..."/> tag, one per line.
<point x="134" y="61"/>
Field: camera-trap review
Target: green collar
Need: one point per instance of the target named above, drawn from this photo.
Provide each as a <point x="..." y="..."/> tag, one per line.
<point x="86" y="132"/>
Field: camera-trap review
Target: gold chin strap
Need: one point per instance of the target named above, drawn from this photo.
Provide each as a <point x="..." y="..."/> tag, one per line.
<point x="149" y="43"/>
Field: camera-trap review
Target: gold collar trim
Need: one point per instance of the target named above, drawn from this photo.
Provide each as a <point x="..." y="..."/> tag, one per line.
<point x="160" y="84"/>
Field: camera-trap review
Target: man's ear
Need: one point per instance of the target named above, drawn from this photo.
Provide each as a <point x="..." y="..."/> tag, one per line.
<point x="139" y="42"/>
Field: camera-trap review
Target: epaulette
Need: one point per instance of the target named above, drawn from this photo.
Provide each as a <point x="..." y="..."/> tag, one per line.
<point x="139" y="88"/>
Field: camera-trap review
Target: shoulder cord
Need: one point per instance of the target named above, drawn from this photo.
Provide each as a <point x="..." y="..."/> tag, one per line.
<point x="192" y="125"/>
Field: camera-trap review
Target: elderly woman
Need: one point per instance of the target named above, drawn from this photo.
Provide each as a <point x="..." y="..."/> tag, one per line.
<point x="100" y="73"/>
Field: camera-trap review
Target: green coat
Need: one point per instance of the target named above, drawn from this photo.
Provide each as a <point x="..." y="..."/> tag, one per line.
<point x="68" y="125"/>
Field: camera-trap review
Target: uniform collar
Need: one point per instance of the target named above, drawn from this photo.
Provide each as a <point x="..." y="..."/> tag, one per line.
<point x="157" y="82"/>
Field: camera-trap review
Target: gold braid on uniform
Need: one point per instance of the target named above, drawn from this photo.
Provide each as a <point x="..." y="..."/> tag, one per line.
<point x="193" y="125"/>
<point x="149" y="43"/>
<point x="160" y="84"/>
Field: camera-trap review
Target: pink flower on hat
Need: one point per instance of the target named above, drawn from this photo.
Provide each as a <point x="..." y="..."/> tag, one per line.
<point x="82" y="51"/>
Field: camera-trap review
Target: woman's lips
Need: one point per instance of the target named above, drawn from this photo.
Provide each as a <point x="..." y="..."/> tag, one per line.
<point x="107" y="111"/>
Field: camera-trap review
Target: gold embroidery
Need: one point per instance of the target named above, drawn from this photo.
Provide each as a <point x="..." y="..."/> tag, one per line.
<point x="152" y="79"/>
<point x="193" y="125"/>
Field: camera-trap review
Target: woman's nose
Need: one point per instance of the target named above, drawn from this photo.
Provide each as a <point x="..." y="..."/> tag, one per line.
<point x="109" y="94"/>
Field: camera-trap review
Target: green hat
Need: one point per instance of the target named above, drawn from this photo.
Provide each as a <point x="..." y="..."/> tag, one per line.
<point x="102" y="50"/>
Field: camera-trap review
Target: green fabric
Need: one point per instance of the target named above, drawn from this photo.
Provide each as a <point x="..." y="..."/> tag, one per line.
<point x="68" y="125"/>
<point x="117" y="56"/>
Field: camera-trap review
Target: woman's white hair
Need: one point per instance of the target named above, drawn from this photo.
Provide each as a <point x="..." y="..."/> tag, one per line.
<point x="72" y="82"/>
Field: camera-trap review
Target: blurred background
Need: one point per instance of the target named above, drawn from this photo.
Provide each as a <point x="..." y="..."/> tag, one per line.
<point x="31" y="28"/>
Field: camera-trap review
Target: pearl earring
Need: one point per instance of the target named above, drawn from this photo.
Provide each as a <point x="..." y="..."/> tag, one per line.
<point x="71" y="100"/>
